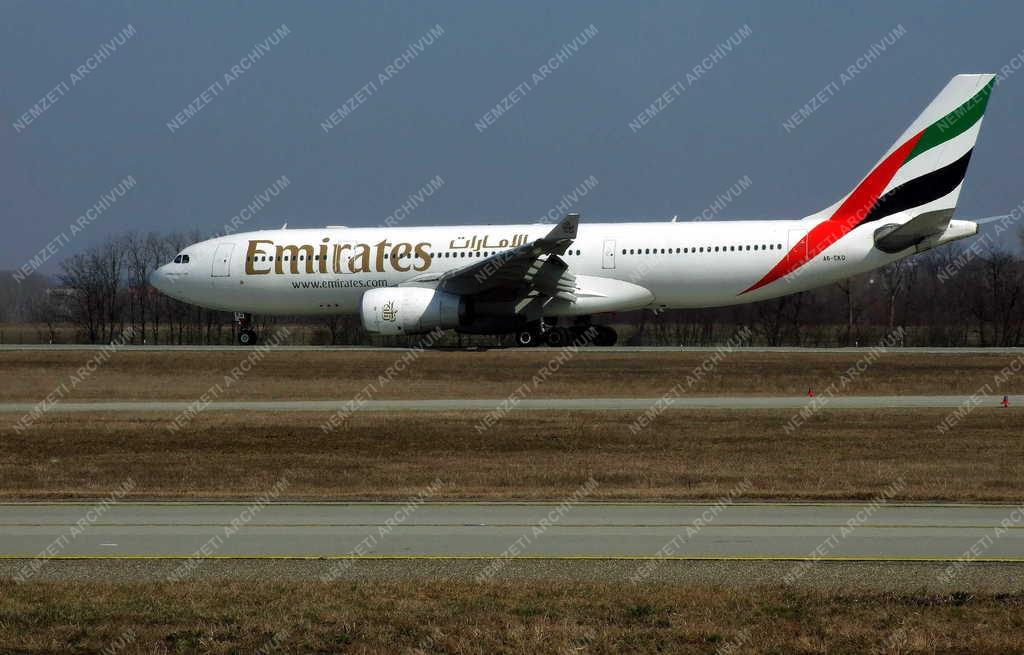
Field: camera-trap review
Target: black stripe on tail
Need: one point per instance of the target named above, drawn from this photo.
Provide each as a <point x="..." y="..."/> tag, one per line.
<point x="921" y="190"/>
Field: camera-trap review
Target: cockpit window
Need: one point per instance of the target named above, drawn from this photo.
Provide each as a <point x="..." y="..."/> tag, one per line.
<point x="181" y="259"/>
<point x="177" y="260"/>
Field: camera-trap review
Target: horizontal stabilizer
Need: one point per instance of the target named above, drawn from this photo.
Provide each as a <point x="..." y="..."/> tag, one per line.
<point x="1006" y="218"/>
<point x="895" y="238"/>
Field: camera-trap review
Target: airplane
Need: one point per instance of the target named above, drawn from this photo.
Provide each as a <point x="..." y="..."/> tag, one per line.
<point x="545" y="283"/>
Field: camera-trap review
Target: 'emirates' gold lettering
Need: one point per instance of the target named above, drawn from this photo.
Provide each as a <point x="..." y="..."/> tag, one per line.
<point x="263" y="257"/>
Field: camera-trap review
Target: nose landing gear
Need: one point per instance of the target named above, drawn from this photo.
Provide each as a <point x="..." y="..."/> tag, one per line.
<point x="246" y="334"/>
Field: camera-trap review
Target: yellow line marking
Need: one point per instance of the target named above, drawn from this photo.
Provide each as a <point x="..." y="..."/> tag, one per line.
<point x="681" y="558"/>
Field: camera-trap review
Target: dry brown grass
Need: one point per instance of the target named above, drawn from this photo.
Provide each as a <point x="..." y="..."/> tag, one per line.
<point x="503" y="617"/>
<point x="31" y="375"/>
<point x="528" y="455"/>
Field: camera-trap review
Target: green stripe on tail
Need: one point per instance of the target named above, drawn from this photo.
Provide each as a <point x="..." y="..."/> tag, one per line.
<point x="955" y="122"/>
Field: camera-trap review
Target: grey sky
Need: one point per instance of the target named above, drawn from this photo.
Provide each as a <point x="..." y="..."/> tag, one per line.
<point x="420" y="123"/>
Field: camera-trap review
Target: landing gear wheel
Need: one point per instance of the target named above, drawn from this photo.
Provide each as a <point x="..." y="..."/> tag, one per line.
<point x="605" y="336"/>
<point x="246" y="335"/>
<point x="527" y="339"/>
<point x="583" y="335"/>
<point x="558" y="337"/>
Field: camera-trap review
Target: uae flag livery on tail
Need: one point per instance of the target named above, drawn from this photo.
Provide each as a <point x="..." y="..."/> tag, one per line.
<point x="922" y="172"/>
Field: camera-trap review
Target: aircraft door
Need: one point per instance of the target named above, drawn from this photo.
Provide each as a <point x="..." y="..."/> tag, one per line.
<point x="794" y="238"/>
<point x="608" y="254"/>
<point x="222" y="260"/>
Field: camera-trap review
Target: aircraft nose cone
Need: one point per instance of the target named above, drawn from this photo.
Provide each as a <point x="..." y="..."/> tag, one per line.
<point x="158" y="279"/>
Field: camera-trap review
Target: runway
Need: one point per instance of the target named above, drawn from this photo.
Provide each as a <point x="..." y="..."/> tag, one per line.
<point x="516" y="403"/>
<point x="585" y="350"/>
<point x="723" y="531"/>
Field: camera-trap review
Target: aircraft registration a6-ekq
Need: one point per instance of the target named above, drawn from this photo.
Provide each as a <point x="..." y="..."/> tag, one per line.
<point x="527" y="279"/>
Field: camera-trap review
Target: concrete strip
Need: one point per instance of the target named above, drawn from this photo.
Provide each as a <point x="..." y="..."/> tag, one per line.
<point x="485" y="530"/>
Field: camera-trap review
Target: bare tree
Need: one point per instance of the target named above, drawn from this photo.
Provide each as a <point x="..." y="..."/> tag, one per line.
<point x="895" y="279"/>
<point x="1003" y="278"/>
<point x="848" y="290"/>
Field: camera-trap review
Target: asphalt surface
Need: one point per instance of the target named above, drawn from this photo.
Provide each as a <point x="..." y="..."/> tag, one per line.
<point x="749" y="531"/>
<point x="537" y="404"/>
<point x="595" y="349"/>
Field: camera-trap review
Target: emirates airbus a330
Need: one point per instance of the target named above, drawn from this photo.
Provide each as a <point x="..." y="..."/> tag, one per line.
<point x="544" y="283"/>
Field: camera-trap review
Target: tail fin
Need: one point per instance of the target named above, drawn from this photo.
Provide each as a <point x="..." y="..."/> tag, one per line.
<point x="922" y="172"/>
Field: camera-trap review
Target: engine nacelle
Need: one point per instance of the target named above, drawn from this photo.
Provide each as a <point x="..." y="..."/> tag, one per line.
<point x="410" y="310"/>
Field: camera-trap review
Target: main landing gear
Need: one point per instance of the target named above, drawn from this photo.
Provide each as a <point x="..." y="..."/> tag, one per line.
<point x="581" y="334"/>
<point x="528" y="338"/>
<point x="246" y="334"/>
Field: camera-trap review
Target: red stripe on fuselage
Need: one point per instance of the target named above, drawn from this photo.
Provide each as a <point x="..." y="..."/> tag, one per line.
<point x="853" y="210"/>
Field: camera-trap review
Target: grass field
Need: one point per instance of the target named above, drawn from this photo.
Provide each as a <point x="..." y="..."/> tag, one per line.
<point x="684" y="455"/>
<point x="501" y="617"/>
<point x="126" y="375"/>
<point x="837" y="454"/>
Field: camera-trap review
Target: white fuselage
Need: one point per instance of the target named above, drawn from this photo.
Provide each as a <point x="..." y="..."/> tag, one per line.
<point x="904" y="205"/>
<point x="618" y="266"/>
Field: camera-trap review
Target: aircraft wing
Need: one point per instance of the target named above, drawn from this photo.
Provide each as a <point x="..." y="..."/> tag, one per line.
<point x="534" y="266"/>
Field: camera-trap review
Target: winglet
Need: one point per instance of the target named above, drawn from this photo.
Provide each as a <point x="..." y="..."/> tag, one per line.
<point x="557" y="241"/>
<point x="566" y="229"/>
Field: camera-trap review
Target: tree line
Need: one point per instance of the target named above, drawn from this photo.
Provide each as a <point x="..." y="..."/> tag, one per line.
<point x="968" y="293"/>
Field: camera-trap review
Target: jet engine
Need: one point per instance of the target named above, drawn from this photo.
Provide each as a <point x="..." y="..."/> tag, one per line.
<point x="411" y="310"/>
